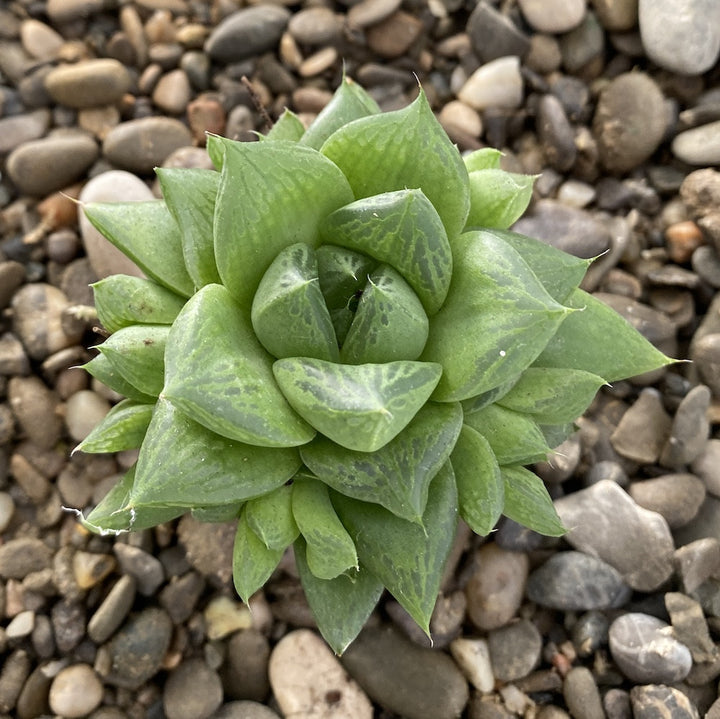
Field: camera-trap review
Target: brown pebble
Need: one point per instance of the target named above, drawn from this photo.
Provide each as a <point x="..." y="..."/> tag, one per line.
<point x="206" y="114"/>
<point x="682" y="239"/>
<point x="393" y="36"/>
<point x="318" y="62"/>
<point x="36" y="410"/>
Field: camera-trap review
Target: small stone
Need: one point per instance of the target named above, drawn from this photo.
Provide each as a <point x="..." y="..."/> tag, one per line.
<point x="13" y="673"/>
<point x="690" y="627"/>
<point x="697" y="562"/>
<point x="21" y="625"/>
<point x="581" y="694"/>
<point x="314" y="26"/>
<point x="497" y="84"/>
<point x="616" y="703"/>
<point x="707" y="466"/>
<point x="90" y="568"/>
<point x="590" y="632"/>
<point x="307" y="679"/>
<point x="583" y="45"/>
<point x="33" y="699"/>
<point x="244" y="710"/>
<point x="90" y="83"/>
<point x="371" y="12"/>
<point x="84" y="410"/>
<point x="173" y="92"/>
<point x="494" y="35"/>
<point x="677" y="497"/>
<point x="556" y="134"/>
<point x="63" y="11"/>
<point x="394" y="36"/>
<point x="13" y="359"/>
<point x="690" y="429"/>
<point x="473" y="658"/>
<point x="576" y="194"/>
<point x="19" y="129"/>
<point x="40" y="40"/>
<point x="514" y="650"/>
<point x="553" y="16"/>
<point x="616" y="15"/>
<point x="209" y="548"/>
<point x="573" y="581"/>
<point x="36" y="409"/>
<point x="146" y="569"/>
<point x="652" y="700"/>
<point x="7" y="509"/>
<point x="245" y="672"/>
<point x="706" y="264"/>
<point x="205" y="115"/>
<point x="180" y="596"/>
<point x="705" y="353"/>
<point x="68" y="623"/>
<point x="75" y="691"/>
<point x="223" y="616"/>
<point x="318" y="62"/>
<point x="643" y="429"/>
<point x="682" y="239"/>
<point x="113" y="610"/>
<point x="181" y="698"/>
<point x="645" y="652"/>
<point x="699" y="146"/>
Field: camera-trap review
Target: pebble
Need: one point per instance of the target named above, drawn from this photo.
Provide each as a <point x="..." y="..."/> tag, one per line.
<point x="209" y="548"/>
<point x="143" y="567"/>
<point x="192" y="691"/>
<point x="456" y="116"/>
<point x="681" y="36"/>
<point x="494" y="35"/>
<point x="698" y="146"/>
<point x="573" y="581"/>
<point x="20" y="626"/>
<point x="68" y="623"/>
<point x="245" y="673"/>
<point x="629" y="121"/>
<point x="553" y="16"/>
<point x="496" y="84"/>
<point x="707" y="466"/>
<point x="14" y="672"/>
<point x="404" y="678"/>
<point x="315" y="26"/>
<point x="36" y="410"/>
<point x="247" y="32"/>
<point x="706" y="264"/>
<point x="706" y="523"/>
<point x="653" y="700"/>
<point x="13" y="360"/>
<point x="616" y="703"/>
<point x="308" y="680"/>
<point x="223" y="616"/>
<point x="705" y="353"/>
<point x="393" y="36"/>
<point x="75" y="691"/>
<point x="90" y="83"/>
<point x="143" y="144"/>
<point x="581" y="694"/>
<point x="495" y="589"/>
<point x="697" y="561"/>
<point x="179" y="596"/>
<point x="616" y="15"/>
<point x="63" y="11"/>
<point x="677" y="497"/>
<point x="19" y="129"/>
<point x="40" y="40"/>
<point x="583" y="45"/>
<point x="84" y="410"/>
<point x="643" y="429"/>
<point x="473" y="658"/>
<point x="556" y="134"/>
<point x="590" y="632"/>
<point x="173" y="92"/>
<point x="7" y="509"/>
<point x="40" y="167"/>
<point x="514" y="650"/>
<point x="112" y="611"/>
<point x="244" y="710"/>
<point x="690" y="627"/>
<point x="605" y="522"/>
<point x="645" y="652"/>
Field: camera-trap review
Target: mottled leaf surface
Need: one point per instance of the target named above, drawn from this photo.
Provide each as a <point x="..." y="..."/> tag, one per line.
<point x="123" y="427"/>
<point x="271" y="518"/>
<point x="287" y="127"/>
<point x="528" y="502"/>
<point x="104" y="371"/>
<point x="498" y="198"/>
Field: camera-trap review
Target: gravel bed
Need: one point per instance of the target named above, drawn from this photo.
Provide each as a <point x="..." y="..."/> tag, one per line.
<point x="615" y="104"/>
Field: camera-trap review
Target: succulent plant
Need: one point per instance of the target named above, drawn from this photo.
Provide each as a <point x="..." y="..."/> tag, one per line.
<point x="340" y="347"/>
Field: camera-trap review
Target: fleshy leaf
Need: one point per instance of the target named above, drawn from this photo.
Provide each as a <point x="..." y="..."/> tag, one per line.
<point x="103" y="370"/>
<point x="342" y="605"/>
<point x="498" y="198"/>
<point x="406" y="558"/>
<point x="330" y="550"/>
<point x="479" y="483"/>
<point x="495" y="322"/>
<point x="360" y="407"/>
<point x="404" y="230"/>
<point x="113" y="514"/>
<point x="398" y="475"/>
<point x="349" y="102"/>
<point x="556" y="434"/>
<point x="123" y="427"/>
<point x="600" y="341"/>
<point x="389" y="324"/>
<point x="190" y="196"/>
<point x="491" y="396"/>
<point x="218" y="513"/>
<point x="137" y="353"/>
<point x="271" y="518"/>
<point x="382" y="153"/>
<point x="527" y="502"/>
<point x="218" y="373"/>
<point x="486" y="158"/>
<point x="253" y="562"/>
<point x="147" y="233"/>
<point x="287" y="127"/>
<point x="551" y="395"/>
<point x="181" y="463"/>
<point x="289" y="314"/>
<point x="272" y="194"/>
<point x="515" y="438"/>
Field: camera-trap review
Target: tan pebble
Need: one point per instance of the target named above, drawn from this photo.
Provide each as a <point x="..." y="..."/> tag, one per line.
<point x="371" y="12"/>
<point x="75" y="691"/>
<point x="88" y="84"/>
<point x="159" y="28"/>
<point x="132" y="26"/>
<point x="454" y="46"/>
<point x="310" y="99"/>
<point x="99" y="120"/>
<point x="460" y="116"/>
<point x="35" y="486"/>
<point x="289" y="52"/>
<point x="173" y="92"/>
<point x="63" y="11"/>
<point x="90" y="569"/>
<point x="682" y="239"/>
<point x="192" y="36"/>
<point x="83" y="411"/>
<point x="393" y="36"/>
<point x="223" y="616"/>
<point x="40" y="40"/>
<point x="318" y="62"/>
<point x="176" y="7"/>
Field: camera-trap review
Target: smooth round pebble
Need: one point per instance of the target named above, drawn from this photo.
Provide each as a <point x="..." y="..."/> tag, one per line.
<point x="581" y="694"/>
<point x="173" y="92"/>
<point x="677" y="497"/>
<point x="653" y="700"/>
<point x="473" y="657"/>
<point x="707" y="466"/>
<point x="493" y="34"/>
<point x="394" y="36"/>
<point x="40" y="40"/>
<point x="553" y="16"/>
<point x="83" y="412"/>
<point x="371" y="12"/>
<point x="18" y="129"/>
<point x="90" y="83"/>
<point x="246" y="666"/>
<point x="192" y="691"/>
<point x="700" y="145"/>
<point x="314" y="26"/>
<point x="75" y="691"/>
<point x="514" y="650"/>
<point x="646" y="652"/>
<point x="7" y="509"/>
<point x="497" y="84"/>
<point x="35" y="407"/>
<point x="244" y="710"/>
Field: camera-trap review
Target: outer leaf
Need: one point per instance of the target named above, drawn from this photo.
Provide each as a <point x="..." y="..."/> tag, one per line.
<point x="398" y="475"/>
<point x="480" y="487"/>
<point x="190" y="197"/>
<point x="498" y="198"/>
<point x="330" y="550"/>
<point x="253" y="562"/>
<point x="404" y="230"/>
<point x="288" y="127"/>
<point x="496" y="320"/>
<point x="137" y="354"/>
<point x="272" y="194"/>
<point x="514" y="438"/>
<point x="360" y="407"/>
<point x="113" y="514"/>
<point x="289" y="314"/>
<point x="490" y="397"/>
<point x="552" y="395"/>
<point x="181" y="463"/>
<point x="380" y="154"/>
<point x="390" y="323"/>
<point x="583" y="343"/>
<point x="341" y="606"/>
<point x="103" y="370"/>
<point x="218" y="513"/>
<point x="123" y="427"/>
<point x="219" y="374"/>
<point x="122" y="300"/>
<point x="556" y="434"/>
<point x="147" y="233"/>
<point x="406" y="558"/>
<point x="528" y="502"/>
<point x="486" y="158"/>
<point x="350" y="102"/>
<point x="270" y="516"/>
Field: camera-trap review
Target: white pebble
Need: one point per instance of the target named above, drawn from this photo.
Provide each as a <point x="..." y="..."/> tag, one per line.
<point x="473" y="658"/>
<point x="75" y="692"/>
<point x="83" y="412"/>
<point x="496" y="84"/>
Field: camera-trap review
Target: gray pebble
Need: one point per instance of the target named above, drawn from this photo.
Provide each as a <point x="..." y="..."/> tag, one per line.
<point x="581" y="694"/>
<point x="181" y="698"/>
<point x="629" y="121"/>
<point x="75" y="691"/>
<point x="179" y="597"/>
<point x="15" y="670"/>
<point x="590" y="632"/>
<point x="18" y="129"/>
<point x="567" y="228"/>
<point x="707" y="466"/>
<point x="645" y="652"/>
<point x="705" y="524"/>
<point x="605" y="522"/>
<point x="371" y="12"/>
<point x="653" y="700"/>
<point x="12" y="275"/>
<point x="315" y="26"/>
<point x="706" y="263"/>
<point x="36" y="409"/>
<point x="143" y="144"/>
<point x="84" y="410"/>
<point x="146" y="569"/>
<point x="493" y="34"/>
<point x="209" y="548"/>
<point x="690" y="627"/>
<point x="677" y="497"/>
<point x="91" y="83"/>
<point x="682" y="36"/>
<point x="705" y="353"/>
<point x="556" y="134"/>
<point x="574" y="581"/>
<point x="43" y="166"/>
<point x="699" y="146"/>
<point x="582" y="45"/>
<point x="514" y="650"/>
<point x="402" y="677"/>
<point x="697" y="561"/>
<point x="553" y="16"/>
<point x="245" y="672"/>
<point x="33" y="699"/>
<point x="607" y="469"/>
<point x="13" y="360"/>
<point x="616" y="703"/>
<point x="244" y="710"/>
<point x="113" y="610"/>
<point x="247" y="32"/>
